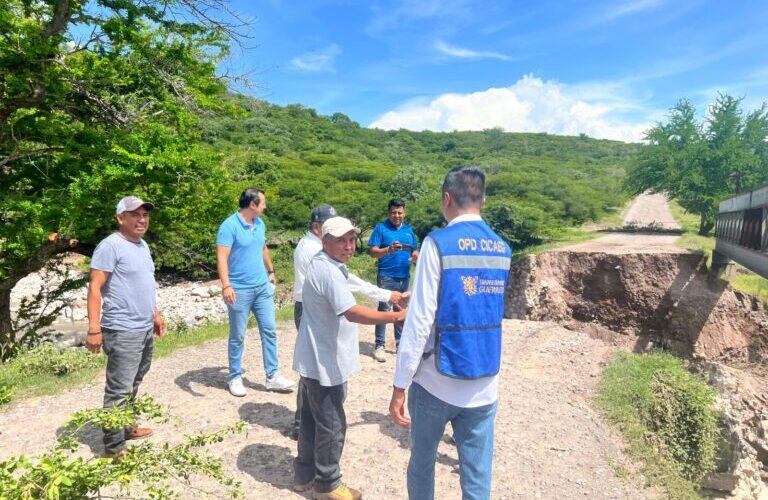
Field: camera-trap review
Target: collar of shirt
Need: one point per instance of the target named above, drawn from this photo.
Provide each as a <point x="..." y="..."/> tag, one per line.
<point x="313" y="236"/>
<point x="342" y="267"/>
<point x="403" y="225"/>
<point x="245" y="224"/>
<point x="465" y="218"/>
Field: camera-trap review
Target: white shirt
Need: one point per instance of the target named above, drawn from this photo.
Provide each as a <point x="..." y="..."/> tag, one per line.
<point x="307" y="248"/>
<point x="419" y="336"/>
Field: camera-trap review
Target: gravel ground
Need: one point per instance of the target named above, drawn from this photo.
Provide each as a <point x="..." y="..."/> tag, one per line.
<point x="550" y="442"/>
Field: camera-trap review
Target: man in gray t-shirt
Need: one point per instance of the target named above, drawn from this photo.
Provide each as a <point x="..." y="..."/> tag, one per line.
<point x="326" y="356"/>
<point x="122" y="313"/>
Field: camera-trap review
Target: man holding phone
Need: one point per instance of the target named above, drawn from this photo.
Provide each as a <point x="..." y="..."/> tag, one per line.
<point x="394" y="244"/>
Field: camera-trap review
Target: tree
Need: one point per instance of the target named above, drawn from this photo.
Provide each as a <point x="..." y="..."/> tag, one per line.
<point x="700" y="164"/>
<point x="98" y="99"/>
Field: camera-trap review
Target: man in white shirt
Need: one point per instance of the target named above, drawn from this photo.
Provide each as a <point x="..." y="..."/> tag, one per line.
<point x="307" y="248"/>
<point x="450" y="349"/>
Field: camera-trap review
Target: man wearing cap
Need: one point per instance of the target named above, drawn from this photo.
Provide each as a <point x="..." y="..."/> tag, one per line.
<point x="122" y="312"/>
<point x="393" y="243"/>
<point x="450" y="350"/>
<point x="248" y="285"/>
<point x="307" y="248"/>
<point x="326" y="356"/>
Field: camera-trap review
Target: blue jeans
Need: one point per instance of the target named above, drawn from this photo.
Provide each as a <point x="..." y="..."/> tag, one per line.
<point x="473" y="431"/>
<point x="396" y="284"/>
<point x="261" y="301"/>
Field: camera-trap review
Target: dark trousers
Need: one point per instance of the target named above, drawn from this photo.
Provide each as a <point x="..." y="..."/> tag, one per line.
<point x="297" y="309"/>
<point x="129" y="356"/>
<point x="396" y="284"/>
<point x="321" y="435"/>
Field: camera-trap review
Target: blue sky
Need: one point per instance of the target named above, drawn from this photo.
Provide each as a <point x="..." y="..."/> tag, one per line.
<point x="608" y="69"/>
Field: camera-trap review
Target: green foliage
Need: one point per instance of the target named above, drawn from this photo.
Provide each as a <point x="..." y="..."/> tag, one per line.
<point x="5" y="394"/>
<point x="683" y="418"/>
<point x="49" y="359"/>
<point x="147" y="471"/>
<point x="668" y="416"/>
<point x="700" y="164"/>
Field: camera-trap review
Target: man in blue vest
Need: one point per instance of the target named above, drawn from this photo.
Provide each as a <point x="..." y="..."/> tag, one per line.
<point x="394" y="244"/>
<point x="450" y="348"/>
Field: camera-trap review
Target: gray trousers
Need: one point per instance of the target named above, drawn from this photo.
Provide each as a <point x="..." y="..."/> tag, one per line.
<point x="298" y="307"/>
<point x="321" y="435"/>
<point x="129" y="355"/>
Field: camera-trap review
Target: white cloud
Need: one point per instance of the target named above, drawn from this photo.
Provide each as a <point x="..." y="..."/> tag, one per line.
<point x="462" y="53"/>
<point x="627" y="8"/>
<point x="530" y="105"/>
<point x="321" y="61"/>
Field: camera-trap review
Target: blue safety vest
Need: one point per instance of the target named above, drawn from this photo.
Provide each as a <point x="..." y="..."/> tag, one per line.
<point x="473" y="278"/>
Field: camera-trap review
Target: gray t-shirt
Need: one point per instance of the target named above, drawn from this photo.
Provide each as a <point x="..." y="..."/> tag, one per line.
<point x="129" y="295"/>
<point x="327" y="347"/>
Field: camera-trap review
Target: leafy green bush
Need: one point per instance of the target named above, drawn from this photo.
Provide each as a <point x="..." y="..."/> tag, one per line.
<point x="682" y="416"/>
<point x="668" y="416"/>
<point x="5" y="394"/>
<point x="48" y="359"/>
<point x="147" y="471"/>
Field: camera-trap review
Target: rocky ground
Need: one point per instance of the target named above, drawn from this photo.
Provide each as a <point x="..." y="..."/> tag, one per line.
<point x="550" y="442"/>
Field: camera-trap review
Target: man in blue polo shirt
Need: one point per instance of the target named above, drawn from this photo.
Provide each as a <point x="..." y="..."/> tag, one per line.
<point x="394" y="244"/>
<point x="248" y="284"/>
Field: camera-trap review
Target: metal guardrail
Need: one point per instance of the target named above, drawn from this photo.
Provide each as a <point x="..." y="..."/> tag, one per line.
<point x="742" y="231"/>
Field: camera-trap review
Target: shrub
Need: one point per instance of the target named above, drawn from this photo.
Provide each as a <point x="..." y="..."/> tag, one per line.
<point x="668" y="416"/>
<point x="48" y="359"/>
<point x="147" y="471"/>
<point x="683" y="419"/>
<point x="5" y="394"/>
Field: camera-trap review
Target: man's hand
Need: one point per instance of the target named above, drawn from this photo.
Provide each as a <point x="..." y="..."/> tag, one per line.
<point x="400" y="317"/>
<point x="400" y="299"/>
<point x="228" y="293"/>
<point x="396" y="246"/>
<point x="397" y="409"/>
<point x="159" y="326"/>
<point x="272" y="279"/>
<point x="93" y="341"/>
<point x="414" y="256"/>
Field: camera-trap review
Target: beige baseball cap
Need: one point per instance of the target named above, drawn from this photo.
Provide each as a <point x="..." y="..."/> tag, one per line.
<point x="338" y="227"/>
<point x="131" y="203"/>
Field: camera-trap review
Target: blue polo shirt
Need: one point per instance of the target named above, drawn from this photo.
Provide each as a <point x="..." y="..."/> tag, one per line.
<point x="246" y="258"/>
<point x="397" y="264"/>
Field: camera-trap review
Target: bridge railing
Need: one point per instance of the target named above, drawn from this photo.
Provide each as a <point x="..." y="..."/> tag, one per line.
<point x="742" y="231"/>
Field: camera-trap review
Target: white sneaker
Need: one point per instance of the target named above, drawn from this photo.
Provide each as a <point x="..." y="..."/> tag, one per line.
<point x="379" y="354"/>
<point x="278" y="383"/>
<point x="236" y="387"/>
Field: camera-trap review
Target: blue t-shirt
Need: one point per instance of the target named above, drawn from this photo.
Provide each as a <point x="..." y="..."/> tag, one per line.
<point x="246" y="257"/>
<point x="129" y="295"/>
<point x="397" y="264"/>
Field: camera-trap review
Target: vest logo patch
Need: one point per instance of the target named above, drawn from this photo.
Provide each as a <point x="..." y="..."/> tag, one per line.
<point x="470" y="285"/>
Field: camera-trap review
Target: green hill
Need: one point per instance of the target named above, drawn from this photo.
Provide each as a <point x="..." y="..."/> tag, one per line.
<point x="538" y="184"/>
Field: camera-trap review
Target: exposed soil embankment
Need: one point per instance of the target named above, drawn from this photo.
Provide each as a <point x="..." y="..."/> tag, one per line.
<point x="663" y="298"/>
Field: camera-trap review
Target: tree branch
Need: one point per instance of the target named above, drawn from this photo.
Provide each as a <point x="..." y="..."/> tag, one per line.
<point x="60" y="19"/>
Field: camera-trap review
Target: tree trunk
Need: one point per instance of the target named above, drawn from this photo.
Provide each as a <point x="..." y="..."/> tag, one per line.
<point x="55" y="245"/>
<point x="706" y="225"/>
<point x="7" y="335"/>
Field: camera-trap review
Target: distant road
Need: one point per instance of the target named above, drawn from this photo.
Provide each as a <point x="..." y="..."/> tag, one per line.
<point x="650" y="210"/>
<point x="647" y="210"/>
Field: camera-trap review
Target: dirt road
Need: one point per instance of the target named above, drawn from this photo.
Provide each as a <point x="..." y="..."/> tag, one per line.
<point x="550" y="442"/>
<point x="645" y="211"/>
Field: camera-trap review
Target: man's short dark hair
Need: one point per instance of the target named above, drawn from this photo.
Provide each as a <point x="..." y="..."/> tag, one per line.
<point x="396" y="202"/>
<point x="249" y="195"/>
<point x="466" y="185"/>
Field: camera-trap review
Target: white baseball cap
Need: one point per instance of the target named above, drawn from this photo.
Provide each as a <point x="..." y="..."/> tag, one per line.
<point x="131" y="203"/>
<point x="338" y="227"/>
